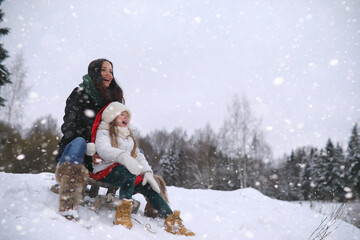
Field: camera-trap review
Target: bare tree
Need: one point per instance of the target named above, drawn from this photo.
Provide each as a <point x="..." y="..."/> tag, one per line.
<point x="204" y="144"/>
<point x="16" y="92"/>
<point x="160" y="141"/>
<point x="237" y="134"/>
<point x="44" y="125"/>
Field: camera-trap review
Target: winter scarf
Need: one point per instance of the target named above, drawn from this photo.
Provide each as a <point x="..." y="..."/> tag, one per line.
<point x="90" y="89"/>
<point x="122" y="132"/>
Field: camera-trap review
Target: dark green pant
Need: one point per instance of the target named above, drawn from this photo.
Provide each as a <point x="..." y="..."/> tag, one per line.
<point x="121" y="177"/>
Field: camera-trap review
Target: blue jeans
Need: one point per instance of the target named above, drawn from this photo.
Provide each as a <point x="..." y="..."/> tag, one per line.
<point x="74" y="152"/>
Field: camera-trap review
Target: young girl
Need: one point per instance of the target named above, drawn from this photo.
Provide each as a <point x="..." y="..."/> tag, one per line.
<point x="124" y="166"/>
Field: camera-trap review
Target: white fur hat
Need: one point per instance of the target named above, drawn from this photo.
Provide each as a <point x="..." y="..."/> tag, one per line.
<point x="113" y="110"/>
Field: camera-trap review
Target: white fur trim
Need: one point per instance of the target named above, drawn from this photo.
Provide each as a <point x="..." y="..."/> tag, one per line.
<point x="113" y="110"/>
<point x="90" y="149"/>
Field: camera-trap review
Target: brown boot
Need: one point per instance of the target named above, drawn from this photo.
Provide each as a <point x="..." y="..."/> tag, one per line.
<point x="72" y="179"/>
<point x="123" y="214"/>
<point x="173" y="224"/>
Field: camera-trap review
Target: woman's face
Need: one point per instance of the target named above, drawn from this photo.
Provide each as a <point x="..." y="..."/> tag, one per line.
<point x="123" y="119"/>
<point x="106" y="73"/>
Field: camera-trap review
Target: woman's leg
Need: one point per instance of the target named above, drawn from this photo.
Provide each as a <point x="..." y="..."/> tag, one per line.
<point x="74" y="152"/>
<point x="155" y="199"/>
<point x="72" y="176"/>
<point x="121" y="177"/>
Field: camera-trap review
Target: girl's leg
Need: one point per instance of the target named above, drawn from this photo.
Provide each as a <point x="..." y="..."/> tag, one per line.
<point x="74" y="152"/>
<point x="155" y="199"/>
<point x="121" y="177"/>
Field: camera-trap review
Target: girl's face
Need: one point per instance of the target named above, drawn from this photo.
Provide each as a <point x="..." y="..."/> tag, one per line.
<point x="106" y="73"/>
<point x="123" y="119"/>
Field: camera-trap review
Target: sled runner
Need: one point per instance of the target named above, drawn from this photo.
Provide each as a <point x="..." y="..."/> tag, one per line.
<point x="93" y="199"/>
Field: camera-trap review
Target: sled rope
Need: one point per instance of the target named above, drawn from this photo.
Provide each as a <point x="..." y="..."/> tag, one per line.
<point x="147" y="226"/>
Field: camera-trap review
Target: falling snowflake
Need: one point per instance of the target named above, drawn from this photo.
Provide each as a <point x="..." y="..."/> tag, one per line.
<point x="89" y="113"/>
<point x="269" y="128"/>
<point x="20" y="157"/>
<point x="197" y="19"/>
<point x="334" y="62"/>
<point x="278" y="81"/>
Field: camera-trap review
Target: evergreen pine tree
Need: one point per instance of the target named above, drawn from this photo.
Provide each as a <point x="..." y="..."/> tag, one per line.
<point x="306" y="172"/>
<point x="169" y="168"/>
<point x="339" y="173"/>
<point x="293" y="170"/>
<point x="4" y="74"/>
<point x="353" y="162"/>
<point x="328" y="162"/>
<point x="317" y="176"/>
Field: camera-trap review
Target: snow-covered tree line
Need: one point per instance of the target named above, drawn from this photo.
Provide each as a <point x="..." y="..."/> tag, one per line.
<point x="29" y="151"/>
<point x="309" y="173"/>
<point x="235" y="157"/>
<point x="225" y="160"/>
<point x="329" y="173"/>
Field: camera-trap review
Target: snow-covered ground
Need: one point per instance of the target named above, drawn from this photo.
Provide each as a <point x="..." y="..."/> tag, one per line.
<point x="29" y="211"/>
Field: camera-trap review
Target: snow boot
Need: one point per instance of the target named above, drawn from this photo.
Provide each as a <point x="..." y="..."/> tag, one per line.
<point x="123" y="214"/>
<point x="72" y="179"/>
<point x="173" y="224"/>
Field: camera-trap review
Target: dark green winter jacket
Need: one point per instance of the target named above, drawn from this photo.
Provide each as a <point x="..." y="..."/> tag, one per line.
<point x="80" y="111"/>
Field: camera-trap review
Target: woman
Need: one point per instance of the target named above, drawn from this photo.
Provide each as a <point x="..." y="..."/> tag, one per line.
<point x="97" y="90"/>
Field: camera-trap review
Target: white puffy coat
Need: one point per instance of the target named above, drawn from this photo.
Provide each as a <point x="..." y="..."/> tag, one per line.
<point x="111" y="155"/>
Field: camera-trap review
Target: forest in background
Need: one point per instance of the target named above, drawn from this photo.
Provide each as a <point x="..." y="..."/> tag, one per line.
<point x="202" y="161"/>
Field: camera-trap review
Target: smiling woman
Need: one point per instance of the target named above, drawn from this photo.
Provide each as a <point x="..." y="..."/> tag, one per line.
<point x="107" y="73"/>
<point x="98" y="89"/>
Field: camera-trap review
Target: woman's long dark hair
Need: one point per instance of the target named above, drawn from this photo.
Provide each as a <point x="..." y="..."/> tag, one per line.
<point x="114" y="91"/>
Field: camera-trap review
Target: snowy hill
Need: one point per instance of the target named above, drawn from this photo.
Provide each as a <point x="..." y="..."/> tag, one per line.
<point x="29" y="211"/>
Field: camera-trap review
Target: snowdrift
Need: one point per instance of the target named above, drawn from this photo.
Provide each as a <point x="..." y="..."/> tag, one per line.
<point x="29" y="211"/>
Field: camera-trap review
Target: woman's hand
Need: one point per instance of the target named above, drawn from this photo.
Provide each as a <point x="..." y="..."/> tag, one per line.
<point x="96" y="159"/>
<point x="149" y="178"/>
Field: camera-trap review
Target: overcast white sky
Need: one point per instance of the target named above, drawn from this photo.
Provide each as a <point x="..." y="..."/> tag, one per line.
<point x="181" y="61"/>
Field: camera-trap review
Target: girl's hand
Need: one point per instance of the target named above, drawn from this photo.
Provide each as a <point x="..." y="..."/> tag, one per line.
<point x="149" y="178"/>
<point x="133" y="166"/>
<point x="96" y="159"/>
<point x="130" y="163"/>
